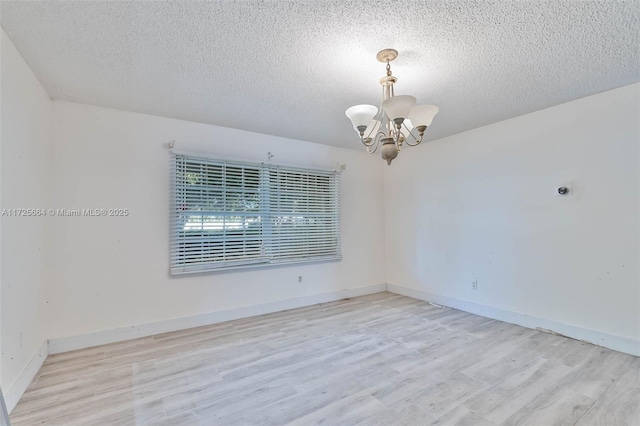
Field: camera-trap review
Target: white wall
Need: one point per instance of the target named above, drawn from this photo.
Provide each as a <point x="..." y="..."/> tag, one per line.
<point x="113" y="272"/>
<point x="26" y="114"/>
<point x="482" y="205"/>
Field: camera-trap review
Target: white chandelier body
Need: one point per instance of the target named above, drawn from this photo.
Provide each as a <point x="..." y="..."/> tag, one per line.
<point x="392" y="124"/>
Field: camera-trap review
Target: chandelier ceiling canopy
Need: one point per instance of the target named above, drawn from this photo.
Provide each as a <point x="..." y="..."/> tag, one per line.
<point x="398" y="120"/>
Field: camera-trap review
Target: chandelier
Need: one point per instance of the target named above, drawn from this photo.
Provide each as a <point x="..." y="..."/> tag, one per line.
<point x="392" y="124"/>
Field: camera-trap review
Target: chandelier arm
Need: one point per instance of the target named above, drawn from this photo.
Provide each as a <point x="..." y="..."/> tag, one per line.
<point x="406" y="140"/>
<point x="370" y="141"/>
<point x="377" y="117"/>
<point x="418" y="141"/>
<point x="373" y="147"/>
<point x="367" y="144"/>
<point x="375" y="142"/>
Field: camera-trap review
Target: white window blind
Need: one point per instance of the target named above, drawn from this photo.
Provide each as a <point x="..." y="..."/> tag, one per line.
<point x="235" y="215"/>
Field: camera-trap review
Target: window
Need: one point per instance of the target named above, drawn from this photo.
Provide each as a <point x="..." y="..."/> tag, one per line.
<point x="236" y="215"/>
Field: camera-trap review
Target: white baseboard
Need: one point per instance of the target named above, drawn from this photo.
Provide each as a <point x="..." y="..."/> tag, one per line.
<point x="15" y="391"/>
<point x="65" y="344"/>
<point x="611" y="341"/>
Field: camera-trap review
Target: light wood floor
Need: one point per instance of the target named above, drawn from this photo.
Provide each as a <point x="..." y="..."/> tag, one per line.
<point x="381" y="359"/>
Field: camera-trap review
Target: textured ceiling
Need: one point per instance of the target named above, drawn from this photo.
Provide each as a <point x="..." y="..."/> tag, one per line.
<point x="291" y="68"/>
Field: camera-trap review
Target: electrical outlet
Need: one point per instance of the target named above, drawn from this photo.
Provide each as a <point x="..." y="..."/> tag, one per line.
<point x="300" y="278"/>
<point x="474" y="285"/>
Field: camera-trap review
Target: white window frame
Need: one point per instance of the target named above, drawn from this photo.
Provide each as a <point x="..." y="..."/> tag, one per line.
<point x="235" y="215"/>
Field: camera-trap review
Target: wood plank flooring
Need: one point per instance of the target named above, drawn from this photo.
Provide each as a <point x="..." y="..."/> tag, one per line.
<point x="381" y="359"/>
